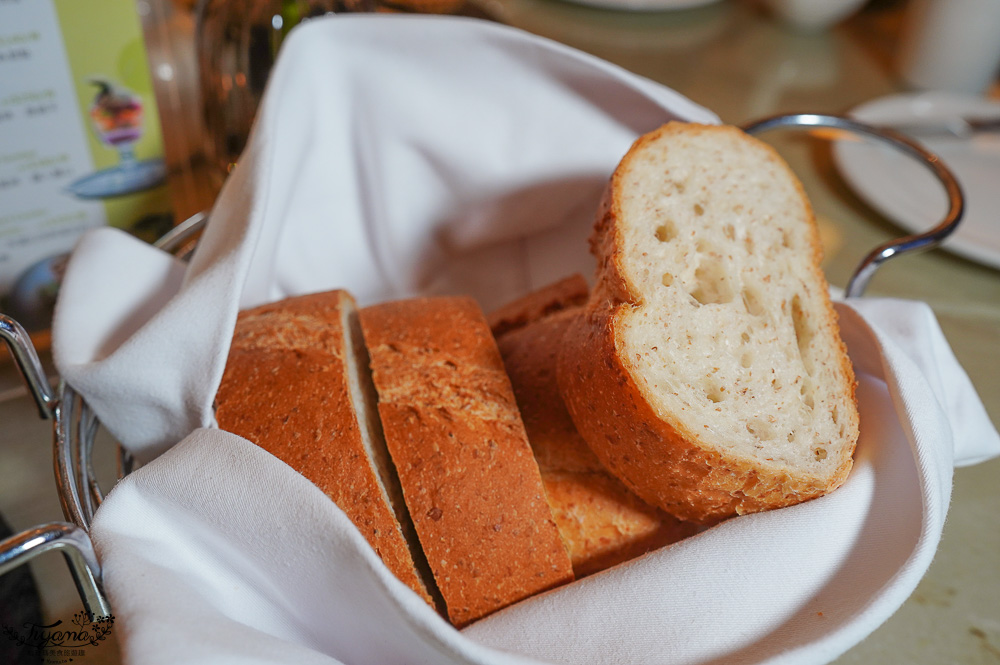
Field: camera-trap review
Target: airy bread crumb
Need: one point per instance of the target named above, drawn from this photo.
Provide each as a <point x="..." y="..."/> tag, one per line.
<point x="709" y="373"/>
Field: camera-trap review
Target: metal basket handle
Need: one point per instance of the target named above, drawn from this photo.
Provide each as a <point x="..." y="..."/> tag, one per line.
<point x="907" y="244"/>
<point x="78" y="550"/>
<point x="74" y="429"/>
<point x="71" y="539"/>
<point x="26" y="359"/>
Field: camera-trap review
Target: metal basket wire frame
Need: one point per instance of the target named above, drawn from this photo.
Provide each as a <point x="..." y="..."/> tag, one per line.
<point x="75" y="425"/>
<point x="74" y="431"/>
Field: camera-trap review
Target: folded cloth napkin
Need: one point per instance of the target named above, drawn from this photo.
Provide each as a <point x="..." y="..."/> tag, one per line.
<point x="396" y="156"/>
<point x="392" y="155"/>
<point x="223" y="544"/>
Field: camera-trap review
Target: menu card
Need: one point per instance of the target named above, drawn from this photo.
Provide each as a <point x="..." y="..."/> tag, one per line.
<point x="80" y="140"/>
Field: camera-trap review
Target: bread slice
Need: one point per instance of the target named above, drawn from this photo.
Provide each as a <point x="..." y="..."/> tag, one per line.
<point x="296" y="385"/>
<point x="708" y="373"/>
<point x="565" y="293"/>
<point x="599" y="519"/>
<point x="455" y="434"/>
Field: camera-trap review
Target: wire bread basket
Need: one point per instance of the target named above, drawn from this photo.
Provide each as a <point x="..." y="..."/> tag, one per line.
<point x="76" y="427"/>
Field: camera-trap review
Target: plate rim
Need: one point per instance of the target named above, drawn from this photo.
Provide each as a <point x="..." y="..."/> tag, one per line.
<point x="971" y="249"/>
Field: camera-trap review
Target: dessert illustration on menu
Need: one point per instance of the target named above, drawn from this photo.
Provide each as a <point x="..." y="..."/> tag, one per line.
<point x="116" y="116"/>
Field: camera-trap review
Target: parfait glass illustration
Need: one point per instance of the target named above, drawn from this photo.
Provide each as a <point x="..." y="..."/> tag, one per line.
<point x="116" y="115"/>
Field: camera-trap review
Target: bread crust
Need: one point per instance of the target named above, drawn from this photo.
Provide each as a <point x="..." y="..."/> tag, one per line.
<point x="655" y="454"/>
<point x="285" y="388"/>
<point x="453" y="429"/>
<point x="600" y="520"/>
<point x="567" y="293"/>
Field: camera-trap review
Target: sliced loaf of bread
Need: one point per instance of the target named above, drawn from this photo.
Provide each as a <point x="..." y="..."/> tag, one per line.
<point x="708" y="372"/>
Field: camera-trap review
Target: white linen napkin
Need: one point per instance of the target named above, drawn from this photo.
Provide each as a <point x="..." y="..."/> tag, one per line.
<point x="220" y="542"/>
<point x="415" y="155"/>
<point x="392" y="155"/>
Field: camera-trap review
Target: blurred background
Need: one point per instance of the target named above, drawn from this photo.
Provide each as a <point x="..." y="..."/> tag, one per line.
<point x="157" y="130"/>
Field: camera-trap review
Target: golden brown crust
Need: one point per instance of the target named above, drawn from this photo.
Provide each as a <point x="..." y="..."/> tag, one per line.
<point x="603" y="524"/>
<point x="566" y="293"/>
<point x="617" y="422"/>
<point x="454" y="432"/>
<point x="600" y="520"/>
<point x="652" y="452"/>
<point x="285" y="388"/>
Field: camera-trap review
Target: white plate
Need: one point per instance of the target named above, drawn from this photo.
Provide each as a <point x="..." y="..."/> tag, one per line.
<point x="905" y="191"/>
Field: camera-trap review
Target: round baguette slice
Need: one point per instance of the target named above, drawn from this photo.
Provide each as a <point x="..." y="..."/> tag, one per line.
<point x="708" y="372"/>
